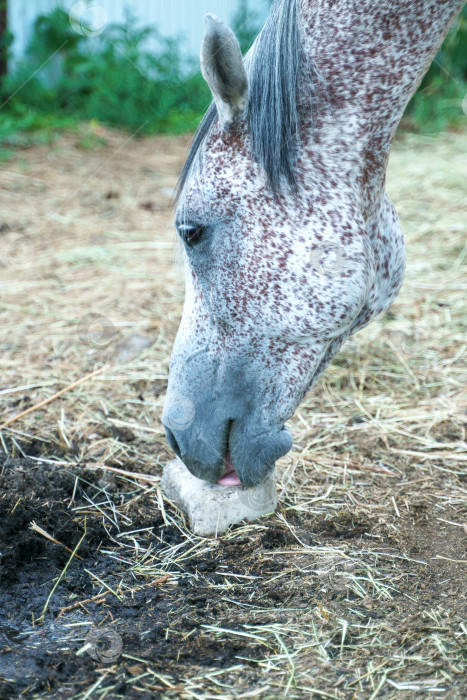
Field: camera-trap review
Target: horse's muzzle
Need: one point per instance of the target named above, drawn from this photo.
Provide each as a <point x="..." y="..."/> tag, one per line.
<point x="203" y="444"/>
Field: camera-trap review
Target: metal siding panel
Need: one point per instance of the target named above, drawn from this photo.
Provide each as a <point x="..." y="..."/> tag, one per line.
<point x="21" y="17"/>
<point x="184" y="18"/>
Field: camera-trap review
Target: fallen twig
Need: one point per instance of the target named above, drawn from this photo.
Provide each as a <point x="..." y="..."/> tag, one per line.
<point x="73" y="554"/>
<point x="41" y="404"/>
<point x="42" y="532"/>
<point x="133" y="475"/>
<point x="100" y="597"/>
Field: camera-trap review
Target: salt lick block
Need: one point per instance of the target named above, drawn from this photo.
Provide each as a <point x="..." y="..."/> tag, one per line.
<point x="212" y="508"/>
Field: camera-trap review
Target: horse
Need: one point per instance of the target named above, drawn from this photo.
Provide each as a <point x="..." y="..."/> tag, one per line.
<point x="290" y="240"/>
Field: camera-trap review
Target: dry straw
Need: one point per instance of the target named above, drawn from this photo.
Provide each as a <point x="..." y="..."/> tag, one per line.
<point x="326" y="598"/>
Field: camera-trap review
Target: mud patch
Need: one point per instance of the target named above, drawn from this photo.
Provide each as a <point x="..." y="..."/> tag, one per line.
<point x="120" y="612"/>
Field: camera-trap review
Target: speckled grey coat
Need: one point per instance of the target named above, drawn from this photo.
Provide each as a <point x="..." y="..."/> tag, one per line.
<point x="276" y="284"/>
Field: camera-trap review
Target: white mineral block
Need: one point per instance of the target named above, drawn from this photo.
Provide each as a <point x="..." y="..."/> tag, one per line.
<point x="212" y="508"/>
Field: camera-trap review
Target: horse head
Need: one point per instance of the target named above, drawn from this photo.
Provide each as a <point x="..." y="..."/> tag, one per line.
<point x="290" y="241"/>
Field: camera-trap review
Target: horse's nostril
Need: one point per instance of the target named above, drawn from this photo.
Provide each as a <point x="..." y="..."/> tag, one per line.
<point x="172" y="442"/>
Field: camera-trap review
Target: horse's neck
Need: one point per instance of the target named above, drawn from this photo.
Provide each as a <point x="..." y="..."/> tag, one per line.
<point x="371" y="55"/>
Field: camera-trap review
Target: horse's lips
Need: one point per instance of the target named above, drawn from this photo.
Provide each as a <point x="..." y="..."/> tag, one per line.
<point x="229" y="477"/>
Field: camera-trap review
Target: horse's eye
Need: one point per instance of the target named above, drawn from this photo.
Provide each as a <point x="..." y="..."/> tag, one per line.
<point x="192" y="234"/>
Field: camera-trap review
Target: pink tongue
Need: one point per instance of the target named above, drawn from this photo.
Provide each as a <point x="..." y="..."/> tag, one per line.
<point x="230" y="477"/>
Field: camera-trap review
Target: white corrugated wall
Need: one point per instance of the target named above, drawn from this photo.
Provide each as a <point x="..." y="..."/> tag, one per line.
<point x="171" y="17"/>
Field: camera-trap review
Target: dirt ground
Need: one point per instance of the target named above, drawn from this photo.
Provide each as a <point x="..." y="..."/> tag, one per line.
<point x="354" y="588"/>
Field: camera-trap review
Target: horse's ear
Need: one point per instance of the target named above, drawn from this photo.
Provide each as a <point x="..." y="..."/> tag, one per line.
<point x="223" y="69"/>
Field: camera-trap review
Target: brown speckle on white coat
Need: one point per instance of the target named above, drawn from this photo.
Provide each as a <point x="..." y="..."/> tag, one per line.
<point x="260" y="322"/>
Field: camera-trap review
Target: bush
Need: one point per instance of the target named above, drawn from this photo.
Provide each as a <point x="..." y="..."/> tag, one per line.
<point x="246" y="25"/>
<point x="438" y="103"/>
<point x="115" y="80"/>
<point x="118" y="82"/>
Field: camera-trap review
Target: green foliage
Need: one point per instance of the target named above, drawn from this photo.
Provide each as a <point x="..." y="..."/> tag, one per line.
<point x="115" y="80"/>
<point x="112" y="79"/>
<point x="246" y="25"/>
<point x="438" y="104"/>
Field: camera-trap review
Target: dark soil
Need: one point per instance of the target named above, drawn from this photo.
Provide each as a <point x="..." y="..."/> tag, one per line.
<point x="162" y="624"/>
